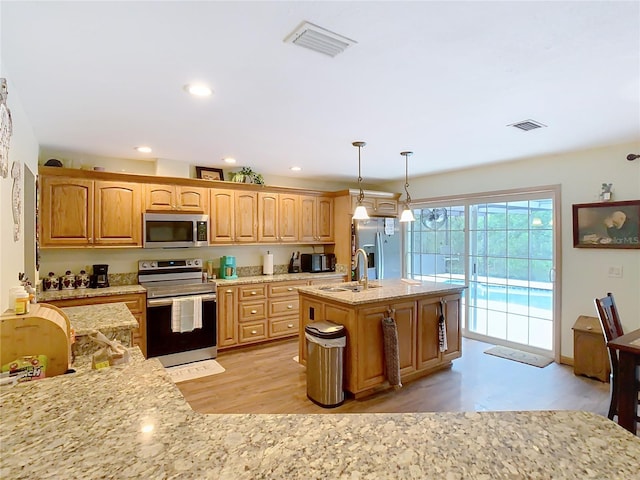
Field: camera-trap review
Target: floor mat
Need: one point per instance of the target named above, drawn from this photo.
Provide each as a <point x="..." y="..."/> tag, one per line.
<point x="520" y="356"/>
<point x="189" y="371"/>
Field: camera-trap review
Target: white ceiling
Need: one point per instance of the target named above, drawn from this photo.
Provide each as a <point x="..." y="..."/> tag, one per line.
<point x="443" y="79"/>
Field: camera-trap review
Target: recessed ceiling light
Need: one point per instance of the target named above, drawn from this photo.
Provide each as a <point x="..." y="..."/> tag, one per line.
<point x="198" y="90"/>
<point x="295" y="169"/>
<point x="143" y="149"/>
<point x="229" y="160"/>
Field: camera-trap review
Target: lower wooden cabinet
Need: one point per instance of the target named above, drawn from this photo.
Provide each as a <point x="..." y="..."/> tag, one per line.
<point x="259" y="312"/>
<point x="136" y="302"/>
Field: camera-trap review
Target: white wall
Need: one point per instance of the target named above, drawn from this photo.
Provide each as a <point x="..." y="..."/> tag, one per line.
<point x="580" y="174"/>
<point x="24" y="150"/>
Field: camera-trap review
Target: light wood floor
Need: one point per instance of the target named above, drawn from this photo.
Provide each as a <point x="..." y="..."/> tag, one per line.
<point x="266" y="379"/>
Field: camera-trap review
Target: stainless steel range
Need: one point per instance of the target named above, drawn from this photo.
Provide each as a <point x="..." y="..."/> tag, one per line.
<point x="175" y="281"/>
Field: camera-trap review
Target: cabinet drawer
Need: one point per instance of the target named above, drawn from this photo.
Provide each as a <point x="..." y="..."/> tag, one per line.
<point x="253" y="311"/>
<point x="284" y="306"/>
<point x="285" y="289"/>
<point x="252" y="292"/>
<point x="284" y="327"/>
<point x="252" y="332"/>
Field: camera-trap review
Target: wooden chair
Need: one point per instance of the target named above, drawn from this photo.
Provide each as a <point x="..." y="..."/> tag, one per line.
<point x="611" y="328"/>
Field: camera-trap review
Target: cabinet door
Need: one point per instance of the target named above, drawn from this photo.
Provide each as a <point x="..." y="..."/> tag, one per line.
<point x="308" y="218"/>
<point x="67" y="212"/>
<point x="428" y="346"/>
<point x="227" y="325"/>
<point x="405" y="316"/>
<point x="160" y="197"/>
<point x="246" y="216"/>
<point x="192" y="199"/>
<point x="370" y="348"/>
<point x="117" y="214"/>
<point x="324" y="229"/>
<point x="268" y="217"/>
<point x="454" y="338"/>
<point x="222" y="219"/>
<point x="288" y="217"/>
<point x="385" y="206"/>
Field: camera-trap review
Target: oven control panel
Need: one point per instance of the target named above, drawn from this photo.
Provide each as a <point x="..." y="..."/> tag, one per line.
<point x="169" y="264"/>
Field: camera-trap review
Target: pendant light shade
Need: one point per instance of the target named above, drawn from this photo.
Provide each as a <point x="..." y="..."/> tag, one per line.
<point x="407" y="213"/>
<point x="360" y="212"/>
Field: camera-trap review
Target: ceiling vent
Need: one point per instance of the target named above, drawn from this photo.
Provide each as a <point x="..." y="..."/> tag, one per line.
<point x="527" y="125"/>
<point x="318" y="39"/>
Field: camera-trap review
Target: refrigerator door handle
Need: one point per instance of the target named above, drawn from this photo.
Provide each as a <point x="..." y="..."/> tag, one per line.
<point x="380" y="255"/>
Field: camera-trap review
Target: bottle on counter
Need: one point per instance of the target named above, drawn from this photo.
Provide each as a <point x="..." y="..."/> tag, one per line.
<point x="21" y="304"/>
<point x="13" y="293"/>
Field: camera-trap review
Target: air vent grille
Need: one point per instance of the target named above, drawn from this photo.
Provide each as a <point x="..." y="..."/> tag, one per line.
<point x="527" y="125"/>
<point x="319" y="39"/>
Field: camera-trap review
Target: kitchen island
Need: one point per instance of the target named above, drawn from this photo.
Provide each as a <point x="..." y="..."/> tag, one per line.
<point x="131" y="421"/>
<point x="416" y="307"/>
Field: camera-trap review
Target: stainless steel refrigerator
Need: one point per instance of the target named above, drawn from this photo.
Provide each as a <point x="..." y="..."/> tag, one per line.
<point x="380" y="239"/>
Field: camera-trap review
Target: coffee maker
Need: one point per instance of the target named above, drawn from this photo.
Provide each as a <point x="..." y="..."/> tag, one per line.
<point x="228" y="267"/>
<point x="100" y="278"/>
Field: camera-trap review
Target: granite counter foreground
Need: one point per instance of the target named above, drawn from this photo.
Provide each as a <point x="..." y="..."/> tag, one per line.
<point x="132" y="422"/>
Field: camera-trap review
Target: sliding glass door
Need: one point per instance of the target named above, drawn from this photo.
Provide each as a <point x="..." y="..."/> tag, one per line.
<point x="503" y="247"/>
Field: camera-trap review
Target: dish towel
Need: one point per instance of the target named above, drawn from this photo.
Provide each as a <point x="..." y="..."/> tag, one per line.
<point x="391" y="354"/>
<point x="442" y="328"/>
<point x="186" y="314"/>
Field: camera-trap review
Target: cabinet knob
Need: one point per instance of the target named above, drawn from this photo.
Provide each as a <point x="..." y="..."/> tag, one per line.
<point x="229" y="291"/>
<point x="290" y="325"/>
<point x="253" y="332"/>
<point x="254" y="293"/>
<point x="290" y="289"/>
<point x="289" y="307"/>
<point x="253" y="312"/>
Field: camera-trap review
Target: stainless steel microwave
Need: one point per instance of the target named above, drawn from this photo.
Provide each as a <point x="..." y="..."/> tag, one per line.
<point x="174" y="230"/>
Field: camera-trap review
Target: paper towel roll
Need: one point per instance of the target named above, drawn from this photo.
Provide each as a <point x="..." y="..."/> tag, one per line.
<point x="267" y="264"/>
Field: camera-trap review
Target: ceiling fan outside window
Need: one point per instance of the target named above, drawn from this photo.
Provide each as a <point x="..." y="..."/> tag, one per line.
<point x="434" y="218"/>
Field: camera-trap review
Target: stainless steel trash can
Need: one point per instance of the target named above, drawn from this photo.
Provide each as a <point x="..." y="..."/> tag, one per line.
<point x="325" y="362"/>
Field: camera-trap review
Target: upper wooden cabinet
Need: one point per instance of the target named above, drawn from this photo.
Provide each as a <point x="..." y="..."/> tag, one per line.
<point x="278" y="217"/>
<point x="160" y="197"/>
<point x="78" y="212"/>
<point x="380" y="206"/>
<point x="316" y="219"/>
<point x="234" y="216"/>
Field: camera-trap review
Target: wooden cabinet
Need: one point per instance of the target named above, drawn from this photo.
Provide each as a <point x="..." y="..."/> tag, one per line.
<point x="77" y="213"/>
<point x="278" y="217"/>
<point x="252" y="313"/>
<point x="234" y="216"/>
<point x="316" y="219"/>
<point x="284" y="307"/>
<point x="227" y="305"/>
<point x="165" y="197"/>
<point x="380" y="206"/>
<point x="136" y="303"/>
<point x="429" y="354"/>
<point x="590" y="356"/>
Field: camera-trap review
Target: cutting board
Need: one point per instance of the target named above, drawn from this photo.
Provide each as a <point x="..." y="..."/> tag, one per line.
<point x="45" y="330"/>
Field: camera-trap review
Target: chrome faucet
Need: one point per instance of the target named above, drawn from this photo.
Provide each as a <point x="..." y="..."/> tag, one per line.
<point x="364" y="279"/>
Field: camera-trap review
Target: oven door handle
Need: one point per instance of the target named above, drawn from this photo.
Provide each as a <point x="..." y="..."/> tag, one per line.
<point x="162" y="302"/>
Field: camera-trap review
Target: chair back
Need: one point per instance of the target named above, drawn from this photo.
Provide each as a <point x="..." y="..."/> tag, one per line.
<point x="611" y="326"/>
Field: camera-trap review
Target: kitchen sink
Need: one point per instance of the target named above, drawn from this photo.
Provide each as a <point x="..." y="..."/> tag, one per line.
<point x="349" y="287"/>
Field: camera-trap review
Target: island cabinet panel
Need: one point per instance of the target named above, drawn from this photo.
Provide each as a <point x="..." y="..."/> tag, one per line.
<point x="429" y="354"/>
<point x="227" y="305"/>
<point x="165" y="197"/>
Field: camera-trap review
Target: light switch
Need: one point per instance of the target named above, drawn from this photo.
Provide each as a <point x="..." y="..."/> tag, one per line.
<point x="615" y="271"/>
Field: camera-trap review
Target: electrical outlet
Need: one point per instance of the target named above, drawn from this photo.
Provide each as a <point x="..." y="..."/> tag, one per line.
<point x="615" y="271"/>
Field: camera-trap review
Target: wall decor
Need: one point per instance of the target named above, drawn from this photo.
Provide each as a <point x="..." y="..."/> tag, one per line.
<point x="16" y="199"/>
<point x="6" y="129"/>
<point x="247" y="175"/>
<point x="208" y="173"/>
<point x="606" y="224"/>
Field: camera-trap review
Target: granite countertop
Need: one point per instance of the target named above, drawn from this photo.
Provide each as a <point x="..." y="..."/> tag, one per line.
<point x="50" y="295"/>
<point x="283" y="277"/>
<point x="381" y="291"/>
<point x="106" y="317"/>
<point x="132" y="422"/>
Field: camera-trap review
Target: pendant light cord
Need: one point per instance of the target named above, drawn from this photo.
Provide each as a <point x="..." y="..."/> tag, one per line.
<point x="406" y="176"/>
<point x="361" y="194"/>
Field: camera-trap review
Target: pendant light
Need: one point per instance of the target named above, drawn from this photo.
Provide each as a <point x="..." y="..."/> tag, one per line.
<point x="360" y="212"/>
<point x="407" y="213"/>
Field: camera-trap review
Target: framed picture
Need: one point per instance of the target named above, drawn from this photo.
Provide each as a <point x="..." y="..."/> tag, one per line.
<point x="207" y="173"/>
<point x="606" y="225"/>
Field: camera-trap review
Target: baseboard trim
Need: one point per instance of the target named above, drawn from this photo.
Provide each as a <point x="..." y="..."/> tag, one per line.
<point x="566" y="360"/>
